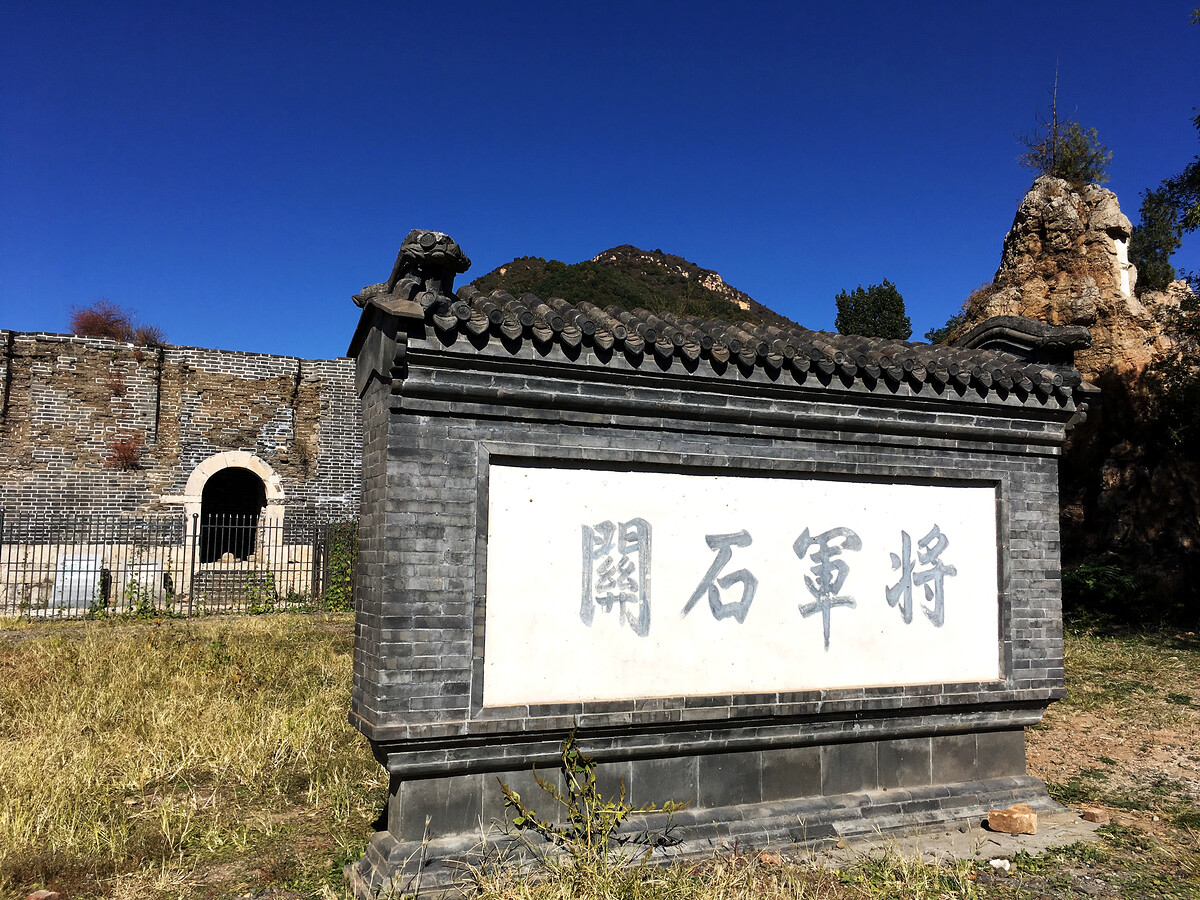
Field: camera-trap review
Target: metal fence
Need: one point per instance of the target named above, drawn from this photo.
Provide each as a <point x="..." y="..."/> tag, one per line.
<point x="168" y="564"/>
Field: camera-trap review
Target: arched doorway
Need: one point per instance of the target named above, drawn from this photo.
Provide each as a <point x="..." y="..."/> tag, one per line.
<point x="230" y="505"/>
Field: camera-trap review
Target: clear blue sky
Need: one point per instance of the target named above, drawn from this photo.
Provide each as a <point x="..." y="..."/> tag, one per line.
<point x="235" y="171"/>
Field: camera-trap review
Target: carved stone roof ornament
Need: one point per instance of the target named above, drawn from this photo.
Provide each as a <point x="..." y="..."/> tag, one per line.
<point x="1027" y="339"/>
<point x="423" y="273"/>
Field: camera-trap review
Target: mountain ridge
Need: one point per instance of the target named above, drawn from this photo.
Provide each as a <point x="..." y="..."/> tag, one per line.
<point x="630" y="277"/>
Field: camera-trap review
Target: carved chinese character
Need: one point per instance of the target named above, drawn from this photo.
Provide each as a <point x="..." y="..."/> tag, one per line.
<point x="901" y="592"/>
<point x="929" y="551"/>
<point x="829" y="573"/>
<point x="712" y="585"/>
<point x="616" y="572"/>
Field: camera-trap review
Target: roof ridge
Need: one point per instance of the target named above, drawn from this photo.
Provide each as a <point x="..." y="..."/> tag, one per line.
<point x="669" y="336"/>
<point x="1011" y="357"/>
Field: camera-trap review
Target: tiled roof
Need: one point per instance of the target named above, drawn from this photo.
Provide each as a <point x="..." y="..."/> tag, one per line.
<point x="686" y="340"/>
<point x="1008" y="356"/>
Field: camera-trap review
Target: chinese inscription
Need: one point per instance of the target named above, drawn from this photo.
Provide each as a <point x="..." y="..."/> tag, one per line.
<point x="929" y="552"/>
<point x="712" y="585"/>
<point x="616" y="572"/>
<point x="829" y="573"/>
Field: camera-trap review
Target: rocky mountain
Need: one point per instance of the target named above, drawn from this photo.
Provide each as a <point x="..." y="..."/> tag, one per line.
<point x="1130" y="490"/>
<point x="632" y="278"/>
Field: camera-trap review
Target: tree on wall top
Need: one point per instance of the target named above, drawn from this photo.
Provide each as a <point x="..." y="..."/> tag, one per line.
<point x="877" y="311"/>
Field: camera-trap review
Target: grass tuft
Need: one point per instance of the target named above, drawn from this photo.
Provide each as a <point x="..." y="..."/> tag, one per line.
<point x="729" y="876"/>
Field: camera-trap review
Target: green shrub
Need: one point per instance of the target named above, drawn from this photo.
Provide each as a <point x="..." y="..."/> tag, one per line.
<point x="876" y="311"/>
<point x="589" y="835"/>
<point x="343" y="555"/>
<point x="1068" y="151"/>
<point x="1154" y="240"/>
<point x="1102" y="593"/>
<point x="258" y="589"/>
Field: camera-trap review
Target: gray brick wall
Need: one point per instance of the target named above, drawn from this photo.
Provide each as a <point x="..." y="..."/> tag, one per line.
<point x="66" y="400"/>
<point x="433" y="430"/>
<point x="754" y="764"/>
<point x="455" y="394"/>
<point x="453" y="385"/>
<point x="426" y="600"/>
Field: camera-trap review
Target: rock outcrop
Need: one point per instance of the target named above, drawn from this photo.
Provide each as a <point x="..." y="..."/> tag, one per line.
<point x="1129" y="497"/>
<point x="1066" y="262"/>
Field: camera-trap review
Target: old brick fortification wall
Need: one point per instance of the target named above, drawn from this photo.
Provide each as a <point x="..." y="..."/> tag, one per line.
<point x="67" y="401"/>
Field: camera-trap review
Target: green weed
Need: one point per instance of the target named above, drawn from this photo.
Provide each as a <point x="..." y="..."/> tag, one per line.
<point x="590" y="834"/>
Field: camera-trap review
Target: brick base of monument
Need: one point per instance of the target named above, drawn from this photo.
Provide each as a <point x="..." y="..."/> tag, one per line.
<point x="391" y="868"/>
<point x="438" y="828"/>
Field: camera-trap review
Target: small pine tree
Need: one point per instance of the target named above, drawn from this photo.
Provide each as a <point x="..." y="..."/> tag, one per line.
<point x="1068" y="151"/>
<point x="877" y="311"/>
<point x="1065" y="150"/>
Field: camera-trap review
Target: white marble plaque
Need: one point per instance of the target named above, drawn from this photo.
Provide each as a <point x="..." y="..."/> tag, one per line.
<point x="605" y="585"/>
<point x="76" y="581"/>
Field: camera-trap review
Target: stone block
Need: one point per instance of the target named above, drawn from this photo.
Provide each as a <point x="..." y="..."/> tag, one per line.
<point x="726" y="779"/>
<point x="1000" y="753"/>
<point x="660" y="781"/>
<point x="791" y="772"/>
<point x="953" y="758"/>
<point x="614" y="777"/>
<point x="1020" y="818"/>
<point x="904" y="763"/>
<point x="533" y="796"/>
<point x="849" y="768"/>
<point x="452" y="804"/>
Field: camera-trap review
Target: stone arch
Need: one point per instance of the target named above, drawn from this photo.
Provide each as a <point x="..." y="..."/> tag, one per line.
<point x="234" y="459"/>
<point x="193" y="493"/>
<point x="231" y="506"/>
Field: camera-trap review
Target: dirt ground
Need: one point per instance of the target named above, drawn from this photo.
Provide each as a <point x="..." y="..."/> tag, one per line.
<point x="1118" y="766"/>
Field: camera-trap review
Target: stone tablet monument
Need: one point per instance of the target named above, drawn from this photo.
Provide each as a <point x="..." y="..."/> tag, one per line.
<point x="809" y="582"/>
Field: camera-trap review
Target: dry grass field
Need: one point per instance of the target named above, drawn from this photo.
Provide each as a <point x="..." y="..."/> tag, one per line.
<point x="207" y="759"/>
<point x="180" y="757"/>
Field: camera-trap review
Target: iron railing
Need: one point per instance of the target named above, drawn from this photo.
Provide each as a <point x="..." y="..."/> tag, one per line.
<point x="169" y="564"/>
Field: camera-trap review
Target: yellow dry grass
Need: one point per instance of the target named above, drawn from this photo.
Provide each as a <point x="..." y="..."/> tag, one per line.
<point x="211" y="759"/>
<point x="142" y="750"/>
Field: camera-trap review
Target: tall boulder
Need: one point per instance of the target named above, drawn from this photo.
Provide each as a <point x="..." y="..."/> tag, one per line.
<point x="1066" y="262"/>
<point x="1129" y="497"/>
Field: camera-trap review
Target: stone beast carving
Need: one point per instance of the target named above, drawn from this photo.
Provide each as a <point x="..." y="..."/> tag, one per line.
<point x="424" y="272"/>
<point x="422" y="279"/>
